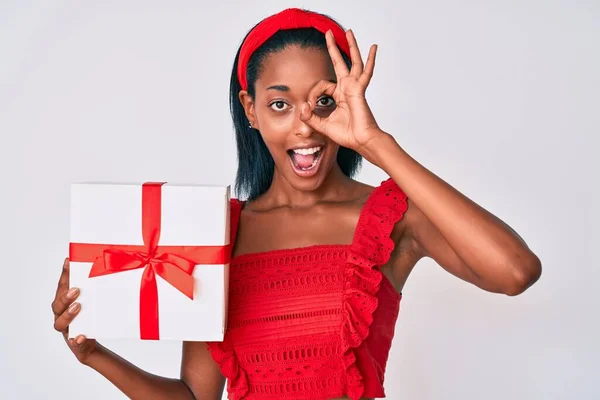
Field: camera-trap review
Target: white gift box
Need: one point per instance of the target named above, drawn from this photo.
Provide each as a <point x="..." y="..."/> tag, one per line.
<point x="112" y="214"/>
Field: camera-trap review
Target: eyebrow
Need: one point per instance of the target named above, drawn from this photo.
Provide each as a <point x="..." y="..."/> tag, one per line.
<point x="282" y="88"/>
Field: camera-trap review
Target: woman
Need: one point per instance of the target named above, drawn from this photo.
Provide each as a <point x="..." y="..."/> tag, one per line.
<point x="320" y="260"/>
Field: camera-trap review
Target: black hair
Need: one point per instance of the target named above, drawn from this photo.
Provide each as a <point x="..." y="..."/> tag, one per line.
<point x="255" y="163"/>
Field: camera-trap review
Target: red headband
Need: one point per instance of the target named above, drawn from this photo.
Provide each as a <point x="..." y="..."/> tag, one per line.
<point x="291" y="18"/>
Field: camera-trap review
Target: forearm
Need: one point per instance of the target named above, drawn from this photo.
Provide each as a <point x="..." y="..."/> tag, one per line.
<point x="134" y="382"/>
<point x="485" y="243"/>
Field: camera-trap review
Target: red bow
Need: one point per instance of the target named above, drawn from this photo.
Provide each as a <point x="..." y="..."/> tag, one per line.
<point x="175" y="264"/>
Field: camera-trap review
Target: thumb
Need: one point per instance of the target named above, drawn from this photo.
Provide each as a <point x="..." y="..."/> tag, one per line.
<point x="311" y="119"/>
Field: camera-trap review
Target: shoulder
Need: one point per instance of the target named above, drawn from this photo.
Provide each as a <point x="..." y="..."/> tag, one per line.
<point x="408" y="217"/>
<point x="389" y="195"/>
<point x="359" y="193"/>
<point x="385" y="204"/>
<point x="390" y="198"/>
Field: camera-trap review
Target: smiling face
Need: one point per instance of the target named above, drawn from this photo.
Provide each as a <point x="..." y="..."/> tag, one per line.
<point x="302" y="156"/>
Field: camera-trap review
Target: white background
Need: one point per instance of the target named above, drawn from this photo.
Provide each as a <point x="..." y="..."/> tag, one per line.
<point x="499" y="98"/>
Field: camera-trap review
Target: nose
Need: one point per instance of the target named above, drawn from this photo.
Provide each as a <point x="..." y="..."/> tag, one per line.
<point x="301" y="129"/>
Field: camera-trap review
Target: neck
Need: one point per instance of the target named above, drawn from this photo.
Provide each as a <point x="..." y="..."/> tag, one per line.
<point x="335" y="186"/>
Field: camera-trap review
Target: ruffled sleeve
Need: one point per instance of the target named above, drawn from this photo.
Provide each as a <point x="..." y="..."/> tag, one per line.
<point x="371" y="248"/>
<point x="237" y="380"/>
<point x="222" y="352"/>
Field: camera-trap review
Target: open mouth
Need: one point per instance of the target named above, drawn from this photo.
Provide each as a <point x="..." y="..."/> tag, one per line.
<point x="306" y="160"/>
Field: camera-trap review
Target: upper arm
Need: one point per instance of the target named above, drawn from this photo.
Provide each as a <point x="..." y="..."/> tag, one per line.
<point x="200" y="372"/>
<point x="430" y="243"/>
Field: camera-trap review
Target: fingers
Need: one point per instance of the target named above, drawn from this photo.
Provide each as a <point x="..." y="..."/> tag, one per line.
<point x="365" y="77"/>
<point x="313" y="120"/>
<point x="78" y="342"/>
<point x="61" y="304"/>
<point x="63" y="281"/>
<point x="307" y="111"/>
<point x="62" y="322"/>
<point x="323" y="87"/>
<point x="363" y="73"/>
<point x="339" y="65"/>
<point x="64" y="296"/>
<point x="357" y="62"/>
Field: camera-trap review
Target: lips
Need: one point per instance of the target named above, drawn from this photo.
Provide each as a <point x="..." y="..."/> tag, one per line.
<point x="305" y="160"/>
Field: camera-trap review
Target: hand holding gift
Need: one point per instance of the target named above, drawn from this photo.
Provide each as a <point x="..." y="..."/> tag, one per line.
<point x="65" y="309"/>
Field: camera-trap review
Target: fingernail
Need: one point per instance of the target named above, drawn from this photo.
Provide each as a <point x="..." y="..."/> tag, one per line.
<point x="73" y="308"/>
<point x="80" y="339"/>
<point x="72" y="293"/>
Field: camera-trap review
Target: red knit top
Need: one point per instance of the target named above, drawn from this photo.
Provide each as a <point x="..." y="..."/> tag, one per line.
<point x="314" y="322"/>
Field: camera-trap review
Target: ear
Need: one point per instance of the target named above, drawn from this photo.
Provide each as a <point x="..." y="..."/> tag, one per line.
<point x="248" y="104"/>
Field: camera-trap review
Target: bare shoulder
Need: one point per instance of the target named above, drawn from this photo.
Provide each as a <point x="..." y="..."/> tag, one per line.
<point x="360" y="193"/>
<point x="200" y="372"/>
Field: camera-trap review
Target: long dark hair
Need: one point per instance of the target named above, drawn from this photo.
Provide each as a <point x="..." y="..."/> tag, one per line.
<point x="255" y="163"/>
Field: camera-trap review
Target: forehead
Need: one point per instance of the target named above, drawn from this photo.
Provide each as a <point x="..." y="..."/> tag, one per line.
<point x="296" y="68"/>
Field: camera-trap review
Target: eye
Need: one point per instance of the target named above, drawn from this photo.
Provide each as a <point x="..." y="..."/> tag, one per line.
<point x="279" y="105"/>
<point x="326" y="101"/>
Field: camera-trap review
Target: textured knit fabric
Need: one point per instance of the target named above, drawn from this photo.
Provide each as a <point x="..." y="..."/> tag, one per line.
<point x="314" y="322"/>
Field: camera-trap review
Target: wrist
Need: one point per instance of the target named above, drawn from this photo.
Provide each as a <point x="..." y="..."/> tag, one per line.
<point x="379" y="148"/>
<point x="95" y="357"/>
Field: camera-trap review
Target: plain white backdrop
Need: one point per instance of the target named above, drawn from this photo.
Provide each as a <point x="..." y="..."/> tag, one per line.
<point x="499" y="98"/>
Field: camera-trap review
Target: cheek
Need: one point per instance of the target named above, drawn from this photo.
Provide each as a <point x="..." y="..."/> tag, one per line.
<point x="276" y="129"/>
<point x="278" y="122"/>
<point x="332" y="149"/>
<point x="270" y="119"/>
<point x="275" y="141"/>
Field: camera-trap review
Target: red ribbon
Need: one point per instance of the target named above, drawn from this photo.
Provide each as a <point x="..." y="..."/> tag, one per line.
<point x="174" y="264"/>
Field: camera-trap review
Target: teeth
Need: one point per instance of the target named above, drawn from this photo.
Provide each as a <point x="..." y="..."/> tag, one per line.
<point x="306" y="152"/>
